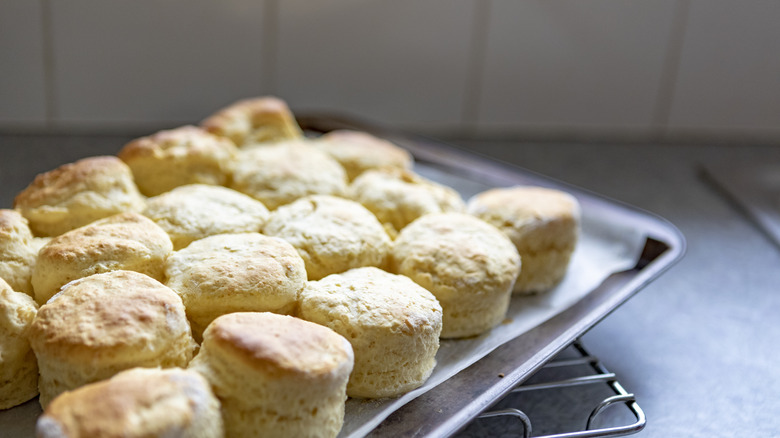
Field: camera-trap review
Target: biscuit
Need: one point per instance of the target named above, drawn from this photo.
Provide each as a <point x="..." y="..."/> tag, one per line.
<point x="257" y="120"/>
<point x="137" y="403"/>
<point x="100" y="325"/>
<point x="542" y="223"/>
<point x="392" y="323"/>
<point x="360" y="151"/>
<point x="18" y="368"/>
<point x="126" y="241"/>
<point x="195" y="211"/>
<point x="398" y="196"/>
<point x="331" y="234"/>
<point x="281" y="173"/>
<point x="468" y="264"/>
<point x="17" y="251"/>
<point x="176" y="157"/>
<point x="234" y="273"/>
<point x="275" y="375"/>
<point x="76" y="194"/>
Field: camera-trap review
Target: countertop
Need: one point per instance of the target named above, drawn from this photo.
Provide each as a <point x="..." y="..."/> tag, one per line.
<point x="698" y="346"/>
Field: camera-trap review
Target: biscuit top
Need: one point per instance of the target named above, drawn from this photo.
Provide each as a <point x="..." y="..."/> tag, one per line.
<point x="399" y="196"/>
<point x="135" y="403"/>
<point x="179" y="142"/>
<point x="235" y="264"/>
<point x="331" y="234"/>
<point x="456" y="253"/>
<point x="324" y="215"/>
<point x="359" y="151"/>
<point x="111" y="316"/>
<point x="281" y="345"/>
<point x="372" y="298"/>
<point x="524" y="202"/>
<point x="113" y="238"/>
<point x="195" y="211"/>
<point x="520" y="212"/>
<point x="279" y="174"/>
<point x="94" y="176"/>
<point x="258" y="120"/>
<point x="17" y="311"/>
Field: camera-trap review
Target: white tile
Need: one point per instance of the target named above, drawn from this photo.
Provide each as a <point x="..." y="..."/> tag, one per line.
<point x="402" y="62"/>
<point x="22" y="90"/>
<point x="729" y="74"/>
<point x="136" y="62"/>
<point x="574" y="64"/>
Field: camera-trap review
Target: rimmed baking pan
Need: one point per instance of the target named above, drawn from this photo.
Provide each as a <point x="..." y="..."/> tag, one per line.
<point x="473" y="374"/>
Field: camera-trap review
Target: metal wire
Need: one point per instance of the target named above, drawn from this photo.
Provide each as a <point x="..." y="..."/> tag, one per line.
<point x="602" y="376"/>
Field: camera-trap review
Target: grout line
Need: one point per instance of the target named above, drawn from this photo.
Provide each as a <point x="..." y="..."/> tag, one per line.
<point x="270" y="47"/>
<point x="671" y="68"/>
<point x="476" y="67"/>
<point x="49" y="84"/>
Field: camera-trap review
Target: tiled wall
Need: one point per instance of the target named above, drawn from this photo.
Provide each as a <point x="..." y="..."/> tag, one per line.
<point x="557" y="68"/>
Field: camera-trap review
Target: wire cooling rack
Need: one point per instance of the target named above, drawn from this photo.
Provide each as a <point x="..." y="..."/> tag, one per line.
<point x="575" y="378"/>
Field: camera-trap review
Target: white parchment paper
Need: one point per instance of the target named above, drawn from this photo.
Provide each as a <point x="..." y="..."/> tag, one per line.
<point x="603" y="249"/>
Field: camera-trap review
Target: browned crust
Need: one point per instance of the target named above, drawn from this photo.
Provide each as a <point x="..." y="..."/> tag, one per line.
<point x="107" y="408"/>
<point x="51" y="186"/>
<point x="106" y="314"/>
<point x="254" y="112"/>
<point x="279" y="344"/>
<point x="157" y="143"/>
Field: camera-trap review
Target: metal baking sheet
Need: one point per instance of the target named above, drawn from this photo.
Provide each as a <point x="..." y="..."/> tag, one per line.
<point x="450" y="405"/>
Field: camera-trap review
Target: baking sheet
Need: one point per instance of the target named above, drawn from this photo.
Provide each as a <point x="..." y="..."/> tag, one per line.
<point x="611" y="242"/>
<point x="604" y="248"/>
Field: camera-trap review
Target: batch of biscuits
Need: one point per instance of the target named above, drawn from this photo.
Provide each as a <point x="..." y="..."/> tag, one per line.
<point x="238" y="278"/>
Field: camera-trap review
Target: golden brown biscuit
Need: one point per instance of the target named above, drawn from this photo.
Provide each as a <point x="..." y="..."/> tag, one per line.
<point x="392" y="323"/>
<point x="281" y="173"/>
<point x="126" y="241"/>
<point x="276" y="376"/>
<point x="17" y="251"/>
<point x="100" y="325"/>
<point x="235" y="273"/>
<point x="360" y="151"/>
<point x="18" y="368"/>
<point x="173" y="158"/>
<point x="195" y="211"/>
<point x="331" y="234"/>
<point x="76" y="194"/>
<point x="542" y="223"/>
<point x="398" y="196"/>
<point x="257" y="120"/>
<point x="137" y="403"/>
<point x="468" y="264"/>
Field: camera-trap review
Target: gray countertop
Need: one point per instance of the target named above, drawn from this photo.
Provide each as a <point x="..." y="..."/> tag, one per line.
<point x="697" y="346"/>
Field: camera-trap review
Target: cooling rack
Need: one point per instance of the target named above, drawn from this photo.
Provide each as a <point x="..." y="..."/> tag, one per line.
<point x="574" y="368"/>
